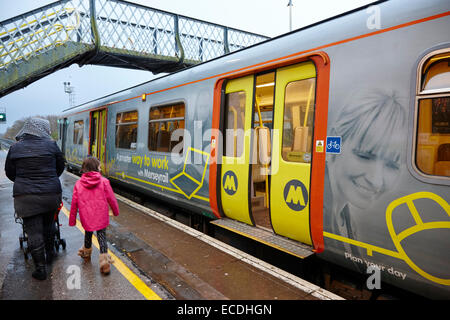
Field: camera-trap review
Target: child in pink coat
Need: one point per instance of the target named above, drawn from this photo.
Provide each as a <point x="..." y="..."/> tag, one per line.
<point x="91" y="196"/>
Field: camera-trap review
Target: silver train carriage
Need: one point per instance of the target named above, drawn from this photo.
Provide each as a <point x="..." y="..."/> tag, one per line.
<point x="335" y="136"/>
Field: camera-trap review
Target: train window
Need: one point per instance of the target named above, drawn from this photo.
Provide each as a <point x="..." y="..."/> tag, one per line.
<point x="126" y="129"/>
<point x="78" y="128"/>
<point x="433" y="126"/>
<point x="234" y="123"/>
<point x="436" y="74"/>
<point x="298" y="120"/>
<point x="264" y="94"/>
<point x="166" y="128"/>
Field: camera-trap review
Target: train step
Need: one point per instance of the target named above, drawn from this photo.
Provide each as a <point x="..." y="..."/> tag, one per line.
<point x="266" y="236"/>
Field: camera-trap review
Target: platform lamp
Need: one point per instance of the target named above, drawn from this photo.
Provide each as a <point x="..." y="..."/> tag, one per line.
<point x="71" y="91"/>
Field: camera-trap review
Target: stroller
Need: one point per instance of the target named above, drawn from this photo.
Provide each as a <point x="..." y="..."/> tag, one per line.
<point x="55" y="231"/>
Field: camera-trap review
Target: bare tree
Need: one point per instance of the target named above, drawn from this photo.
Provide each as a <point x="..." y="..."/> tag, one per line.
<point x="13" y="130"/>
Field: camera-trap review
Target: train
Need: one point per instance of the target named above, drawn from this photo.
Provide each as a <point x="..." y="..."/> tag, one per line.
<point x="331" y="141"/>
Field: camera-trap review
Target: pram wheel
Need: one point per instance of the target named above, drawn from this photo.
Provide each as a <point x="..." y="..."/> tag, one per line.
<point x="60" y="242"/>
<point x="23" y="239"/>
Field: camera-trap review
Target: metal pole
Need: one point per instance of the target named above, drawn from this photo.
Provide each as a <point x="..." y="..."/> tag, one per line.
<point x="290" y="5"/>
<point x="225" y="41"/>
<point x="94" y="28"/>
<point x="178" y="46"/>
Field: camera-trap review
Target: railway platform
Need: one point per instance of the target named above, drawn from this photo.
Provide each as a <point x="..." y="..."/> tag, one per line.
<point x="155" y="258"/>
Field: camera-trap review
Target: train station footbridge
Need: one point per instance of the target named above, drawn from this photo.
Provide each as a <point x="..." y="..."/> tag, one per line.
<point x="110" y="33"/>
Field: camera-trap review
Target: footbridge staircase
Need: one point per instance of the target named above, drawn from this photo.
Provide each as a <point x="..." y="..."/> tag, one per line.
<point x="110" y="33"/>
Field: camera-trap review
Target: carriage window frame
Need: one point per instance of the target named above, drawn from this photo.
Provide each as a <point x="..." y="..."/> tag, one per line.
<point x="288" y="133"/>
<point x="127" y="124"/>
<point x="80" y="129"/>
<point x="421" y="94"/>
<point x="234" y="144"/>
<point x="166" y="120"/>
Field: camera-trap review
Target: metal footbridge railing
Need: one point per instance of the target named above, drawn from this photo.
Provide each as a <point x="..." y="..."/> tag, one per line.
<point x="110" y="33"/>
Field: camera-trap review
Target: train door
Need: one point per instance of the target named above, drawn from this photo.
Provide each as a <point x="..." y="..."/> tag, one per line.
<point x="235" y="159"/>
<point x="265" y="171"/>
<point x="294" y="112"/>
<point x="97" y="140"/>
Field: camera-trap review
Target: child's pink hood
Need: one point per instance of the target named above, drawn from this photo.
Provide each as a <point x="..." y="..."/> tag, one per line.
<point x="91" y="179"/>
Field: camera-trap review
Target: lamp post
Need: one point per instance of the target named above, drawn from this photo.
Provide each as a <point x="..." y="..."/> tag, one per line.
<point x="71" y="91"/>
<point x="290" y="5"/>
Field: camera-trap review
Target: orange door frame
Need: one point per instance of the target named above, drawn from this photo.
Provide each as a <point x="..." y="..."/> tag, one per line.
<point x="322" y="63"/>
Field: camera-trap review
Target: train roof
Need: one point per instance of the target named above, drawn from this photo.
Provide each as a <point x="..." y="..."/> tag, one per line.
<point x="412" y="6"/>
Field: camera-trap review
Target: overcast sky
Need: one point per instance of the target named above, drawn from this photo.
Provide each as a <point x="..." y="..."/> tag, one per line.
<point x="266" y="17"/>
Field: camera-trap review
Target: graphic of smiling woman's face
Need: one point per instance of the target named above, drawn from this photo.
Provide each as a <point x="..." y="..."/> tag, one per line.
<point x="372" y="144"/>
<point x="362" y="176"/>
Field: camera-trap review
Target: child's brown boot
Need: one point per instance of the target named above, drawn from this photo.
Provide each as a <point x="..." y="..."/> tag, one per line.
<point x="85" y="253"/>
<point x="104" y="261"/>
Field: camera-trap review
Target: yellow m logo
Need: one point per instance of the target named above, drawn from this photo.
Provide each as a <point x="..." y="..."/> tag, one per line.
<point x="230" y="183"/>
<point x="295" y="195"/>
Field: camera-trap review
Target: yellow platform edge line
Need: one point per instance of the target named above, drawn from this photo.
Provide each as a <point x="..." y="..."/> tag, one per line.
<point x="148" y="293"/>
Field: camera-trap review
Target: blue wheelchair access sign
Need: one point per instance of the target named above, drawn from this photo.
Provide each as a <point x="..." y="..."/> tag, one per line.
<point x="334" y="145"/>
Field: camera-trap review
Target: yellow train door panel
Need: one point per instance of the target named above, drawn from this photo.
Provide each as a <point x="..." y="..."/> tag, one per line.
<point x="235" y="160"/>
<point x="98" y="135"/>
<point x="94" y="133"/>
<point x="102" y="137"/>
<point x="291" y="156"/>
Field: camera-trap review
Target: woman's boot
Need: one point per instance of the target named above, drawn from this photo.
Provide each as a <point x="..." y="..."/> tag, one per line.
<point x="38" y="255"/>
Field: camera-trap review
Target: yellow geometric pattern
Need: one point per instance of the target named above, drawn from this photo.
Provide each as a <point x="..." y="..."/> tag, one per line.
<point x="122" y="175"/>
<point x="398" y="238"/>
<point x="184" y="173"/>
<point x="420" y="226"/>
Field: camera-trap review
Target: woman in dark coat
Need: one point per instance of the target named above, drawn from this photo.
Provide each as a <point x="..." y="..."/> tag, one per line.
<point x="34" y="163"/>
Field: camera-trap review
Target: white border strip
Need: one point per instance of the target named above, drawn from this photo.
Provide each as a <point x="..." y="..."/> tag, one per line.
<point x="291" y="279"/>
